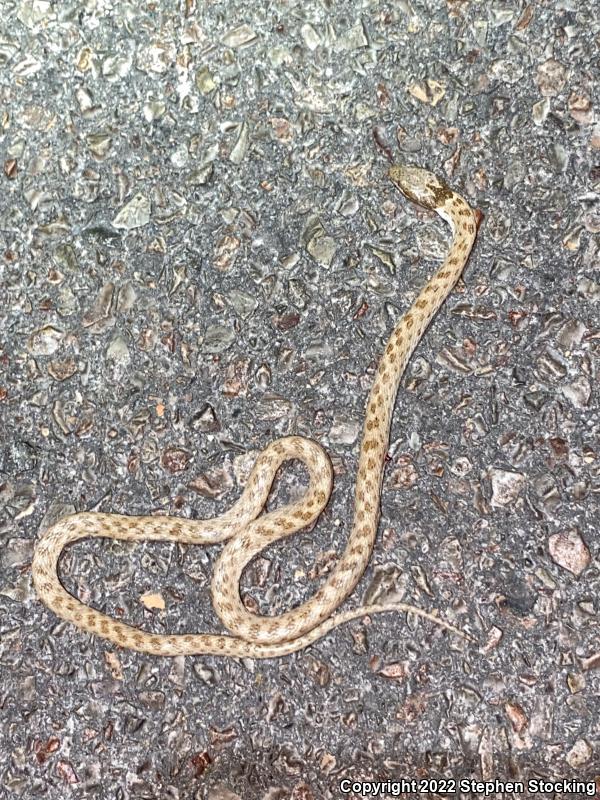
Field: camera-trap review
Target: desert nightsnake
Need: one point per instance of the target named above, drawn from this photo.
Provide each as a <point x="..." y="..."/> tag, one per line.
<point x="247" y="530"/>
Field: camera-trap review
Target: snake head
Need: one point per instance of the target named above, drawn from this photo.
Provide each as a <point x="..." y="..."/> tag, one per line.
<point x="420" y="186"/>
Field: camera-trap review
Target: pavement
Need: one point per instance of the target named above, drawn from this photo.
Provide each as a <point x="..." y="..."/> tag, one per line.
<point x="200" y="251"/>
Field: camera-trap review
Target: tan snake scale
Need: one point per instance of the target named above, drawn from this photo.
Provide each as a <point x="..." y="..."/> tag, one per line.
<point x="247" y="530"/>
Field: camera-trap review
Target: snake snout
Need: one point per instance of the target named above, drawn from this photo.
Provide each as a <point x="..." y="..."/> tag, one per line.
<point x="419" y="185"/>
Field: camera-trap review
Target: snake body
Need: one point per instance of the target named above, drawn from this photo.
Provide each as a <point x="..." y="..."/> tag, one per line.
<point x="247" y="531"/>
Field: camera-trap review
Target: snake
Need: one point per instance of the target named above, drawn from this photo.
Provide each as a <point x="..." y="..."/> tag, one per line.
<point x="246" y="528"/>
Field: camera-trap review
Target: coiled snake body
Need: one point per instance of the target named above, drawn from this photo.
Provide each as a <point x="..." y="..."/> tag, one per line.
<point x="247" y="531"/>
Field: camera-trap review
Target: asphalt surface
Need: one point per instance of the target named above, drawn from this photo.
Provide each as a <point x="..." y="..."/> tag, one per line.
<point x="200" y="251"/>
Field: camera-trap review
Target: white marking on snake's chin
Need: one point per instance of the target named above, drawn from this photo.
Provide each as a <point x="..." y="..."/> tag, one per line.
<point x="446" y="216"/>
